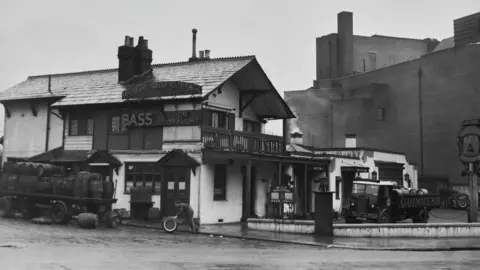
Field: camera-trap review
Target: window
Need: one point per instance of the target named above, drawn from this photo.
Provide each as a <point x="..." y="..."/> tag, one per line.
<point x="373" y="60"/>
<point x="220" y="182"/>
<point x="117" y="126"/>
<point x="251" y="126"/>
<point x="220" y="120"/>
<point x="80" y="126"/>
<point x="338" y="182"/>
<point x="142" y="175"/>
<point x="380" y="114"/>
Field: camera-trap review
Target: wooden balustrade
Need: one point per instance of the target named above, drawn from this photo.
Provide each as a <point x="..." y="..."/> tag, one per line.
<point x="243" y="141"/>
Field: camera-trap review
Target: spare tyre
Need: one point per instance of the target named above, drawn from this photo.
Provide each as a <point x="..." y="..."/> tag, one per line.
<point x="170" y="224"/>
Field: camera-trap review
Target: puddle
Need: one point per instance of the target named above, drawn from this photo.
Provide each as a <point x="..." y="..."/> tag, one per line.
<point x="10" y="246"/>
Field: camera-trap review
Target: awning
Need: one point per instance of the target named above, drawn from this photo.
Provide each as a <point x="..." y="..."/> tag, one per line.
<point x="103" y="157"/>
<point x="358" y="169"/>
<point x="389" y="165"/>
<point x="59" y="155"/>
<point x="178" y="157"/>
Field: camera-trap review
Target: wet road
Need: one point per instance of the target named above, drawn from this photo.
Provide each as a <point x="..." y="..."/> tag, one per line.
<point x="24" y="245"/>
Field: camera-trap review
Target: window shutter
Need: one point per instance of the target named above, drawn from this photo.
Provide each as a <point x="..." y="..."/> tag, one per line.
<point x="207" y="118"/>
<point x="231" y="121"/>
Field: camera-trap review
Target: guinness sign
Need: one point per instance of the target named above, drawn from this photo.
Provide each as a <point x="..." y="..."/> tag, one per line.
<point x="161" y="89"/>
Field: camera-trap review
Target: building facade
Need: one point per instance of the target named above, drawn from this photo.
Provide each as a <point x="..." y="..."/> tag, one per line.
<point x="190" y="131"/>
<point x="413" y="106"/>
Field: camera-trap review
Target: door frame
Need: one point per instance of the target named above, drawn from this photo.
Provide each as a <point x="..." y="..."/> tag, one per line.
<point x="163" y="193"/>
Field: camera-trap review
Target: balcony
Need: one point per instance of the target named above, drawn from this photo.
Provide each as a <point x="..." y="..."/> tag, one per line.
<point x="243" y="141"/>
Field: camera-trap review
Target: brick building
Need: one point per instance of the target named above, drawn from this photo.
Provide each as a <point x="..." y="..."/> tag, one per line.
<point x="394" y="93"/>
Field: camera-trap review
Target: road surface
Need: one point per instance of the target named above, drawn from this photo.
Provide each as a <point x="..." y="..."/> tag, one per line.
<point x="24" y="245"/>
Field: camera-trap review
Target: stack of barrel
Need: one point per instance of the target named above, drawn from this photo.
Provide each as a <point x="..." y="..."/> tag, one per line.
<point x="28" y="176"/>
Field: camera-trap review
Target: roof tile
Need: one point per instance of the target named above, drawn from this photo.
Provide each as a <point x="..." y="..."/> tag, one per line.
<point x="101" y="86"/>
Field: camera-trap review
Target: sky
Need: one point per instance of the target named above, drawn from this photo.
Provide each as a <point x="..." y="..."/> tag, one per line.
<point x="57" y="36"/>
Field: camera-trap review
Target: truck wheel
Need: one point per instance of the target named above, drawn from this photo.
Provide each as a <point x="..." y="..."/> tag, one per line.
<point x="60" y="214"/>
<point x="5" y="207"/>
<point x="384" y="217"/>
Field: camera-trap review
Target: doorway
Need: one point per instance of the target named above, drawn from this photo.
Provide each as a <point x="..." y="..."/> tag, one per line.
<point x="347" y="184"/>
<point x="253" y="193"/>
<point x="176" y="187"/>
<point x="104" y="170"/>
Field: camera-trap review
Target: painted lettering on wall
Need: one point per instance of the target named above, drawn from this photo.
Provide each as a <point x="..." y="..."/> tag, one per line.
<point x="183" y="118"/>
<point x="140" y="119"/>
<point x="347" y="153"/>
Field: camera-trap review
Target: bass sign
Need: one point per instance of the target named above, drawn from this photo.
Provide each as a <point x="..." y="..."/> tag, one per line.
<point x="137" y="119"/>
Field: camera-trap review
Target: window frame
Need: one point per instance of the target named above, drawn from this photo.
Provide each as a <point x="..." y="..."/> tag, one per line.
<point x="219" y="120"/>
<point x="256" y="126"/>
<point x="220" y="179"/>
<point x="83" y="123"/>
<point x="155" y="172"/>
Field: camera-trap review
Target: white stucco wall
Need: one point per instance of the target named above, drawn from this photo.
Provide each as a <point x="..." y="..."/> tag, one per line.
<point x="25" y="134"/>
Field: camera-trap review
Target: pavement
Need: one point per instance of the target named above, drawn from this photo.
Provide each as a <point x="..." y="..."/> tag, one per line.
<point x="24" y="245"/>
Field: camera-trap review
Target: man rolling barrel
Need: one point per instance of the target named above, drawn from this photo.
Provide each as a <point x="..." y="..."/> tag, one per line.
<point x="188" y="211"/>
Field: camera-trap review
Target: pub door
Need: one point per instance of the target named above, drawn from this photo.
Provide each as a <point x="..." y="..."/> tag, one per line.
<point x="176" y="188"/>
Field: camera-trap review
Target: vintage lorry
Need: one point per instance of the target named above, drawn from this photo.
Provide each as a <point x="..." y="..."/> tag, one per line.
<point x="31" y="188"/>
<point x="386" y="202"/>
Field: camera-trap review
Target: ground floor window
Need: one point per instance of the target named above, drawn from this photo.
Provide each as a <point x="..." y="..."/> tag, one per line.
<point x="220" y="182"/>
<point x="142" y="175"/>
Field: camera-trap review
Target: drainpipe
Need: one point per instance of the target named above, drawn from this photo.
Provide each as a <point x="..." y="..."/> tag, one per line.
<point x="420" y="112"/>
<point x="47" y="136"/>
<point x="199" y="180"/>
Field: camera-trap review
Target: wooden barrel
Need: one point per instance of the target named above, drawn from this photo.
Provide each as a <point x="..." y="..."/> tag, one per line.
<point x="422" y="192"/>
<point x="87" y="221"/>
<point x="31" y="168"/>
<point x="108" y="189"/>
<point x="412" y="191"/>
<point x="80" y="188"/>
<point x="12" y="181"/>
<point x="10" y="167"/>
<point x="154" y="214"/>
<point x="44" y="170"/>
<point x="95" y="187"/>
<point x="401" y="191"/>
<point x="22" y="168"/>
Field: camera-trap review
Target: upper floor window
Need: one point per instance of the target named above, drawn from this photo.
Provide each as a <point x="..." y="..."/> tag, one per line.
<point x="117" y="125"/>
<point x="373" y="60"/>
<point x="80" y="125"/>
<point x="218" y="119"/>
<point x="251" y="126"/>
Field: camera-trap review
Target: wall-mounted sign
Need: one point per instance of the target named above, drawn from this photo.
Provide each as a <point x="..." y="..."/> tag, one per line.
<point x="159" y="118"/>
<point x="140" y="119"/>
<point x="345" y="153"/>
<point x="468" y="141"/>
<point x="161" y="89"/>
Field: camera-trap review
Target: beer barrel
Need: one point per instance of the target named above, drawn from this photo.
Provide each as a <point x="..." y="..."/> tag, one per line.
<point x="95" y="185"/>
<point x="401" y="191"/>
<point x="87" y="221"/>
<point x="22" y="168"/>
<point x="30" y="168"/>
<point x="412" y="191"/>
<point x="81" y="184"/>
<point x="10" y="167"/>
<point x="153" y="214"/>
<point x="12" y="181"/>
<point x="422" y="192"/>
<point x="47" y="169"/>
<point x="108" y="189"/>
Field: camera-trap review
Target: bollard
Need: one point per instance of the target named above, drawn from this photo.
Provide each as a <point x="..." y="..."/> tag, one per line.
<point x="323" y="213"/>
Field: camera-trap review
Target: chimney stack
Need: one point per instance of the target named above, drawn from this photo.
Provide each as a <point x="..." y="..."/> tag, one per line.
<point x="126" y="60"/>
<point x="296" y="138"/>
<point x="202" y="54"/>
<point x="194" y="45"/>
<point x="143" y="57"/>
<point x="345" y="43"/>
<point x="350" y="141"/>
<point x="207" y="54"/>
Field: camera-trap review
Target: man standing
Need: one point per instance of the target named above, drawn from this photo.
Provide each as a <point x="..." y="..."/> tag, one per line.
<point x="188" y="211"/>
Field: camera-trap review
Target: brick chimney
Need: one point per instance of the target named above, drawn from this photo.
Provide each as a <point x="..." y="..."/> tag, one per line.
<point x="126" y="55"/>
<point x="345" y="43"/>
<point x="143" y="57"/>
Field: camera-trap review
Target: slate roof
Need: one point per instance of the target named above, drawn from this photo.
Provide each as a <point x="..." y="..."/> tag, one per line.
<point x="101" y="86"/>
<point x="445" y="44"/>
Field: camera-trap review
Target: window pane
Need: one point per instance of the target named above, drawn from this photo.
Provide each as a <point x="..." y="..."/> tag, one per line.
<point x="214" y="119"/>
<point x="90" y="127"/>
<point x="74" y="127"/>
<point x="148" y="180"/>
<point x="129" y="183"/>
<point x="116" y="124"/>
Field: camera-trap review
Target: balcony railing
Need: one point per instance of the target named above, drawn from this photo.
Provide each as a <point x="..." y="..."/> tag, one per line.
<point x="243" y="141"/>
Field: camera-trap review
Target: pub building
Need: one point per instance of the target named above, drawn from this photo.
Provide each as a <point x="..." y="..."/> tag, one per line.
<point x="192" y="131"/>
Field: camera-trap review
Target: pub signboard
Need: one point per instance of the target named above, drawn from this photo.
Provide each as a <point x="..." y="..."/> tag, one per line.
<point x="141" y="119"/>
<point x="469" y="141"/>
<point x="152" y="89"/>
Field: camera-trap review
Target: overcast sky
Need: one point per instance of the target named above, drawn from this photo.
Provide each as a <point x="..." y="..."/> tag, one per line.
<point x="55" y="36"/>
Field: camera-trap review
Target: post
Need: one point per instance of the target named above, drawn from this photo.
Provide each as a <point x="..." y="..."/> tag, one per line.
<point x="248" y="188"/>
<point x="323" y="213"/>
<point x="473" y="180"/>
<point x="305" y="191"/>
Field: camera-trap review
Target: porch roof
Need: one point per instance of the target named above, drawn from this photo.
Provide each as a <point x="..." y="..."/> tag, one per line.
<point x="178" y="157"/>
<point x="211" y="154"/>
<point x="60" y="155"/>
<point x="102" y="156"/>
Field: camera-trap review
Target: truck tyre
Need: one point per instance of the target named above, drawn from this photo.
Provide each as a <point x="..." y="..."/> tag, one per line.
<point x="5" y="207"/>
<point x="384" y="217"/>
<point x="60" y="213"/>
